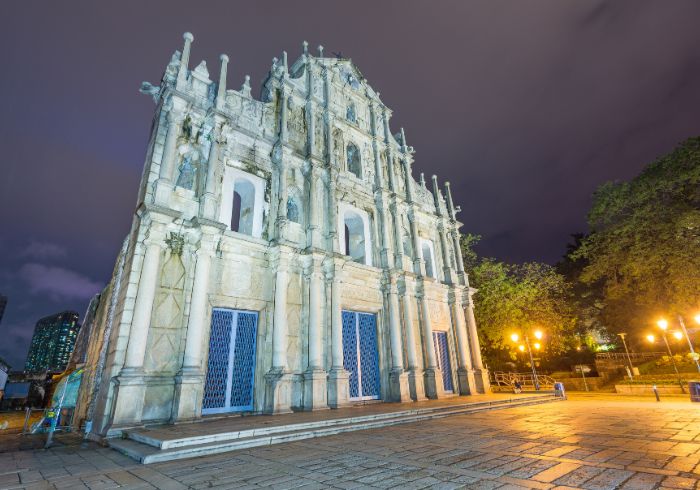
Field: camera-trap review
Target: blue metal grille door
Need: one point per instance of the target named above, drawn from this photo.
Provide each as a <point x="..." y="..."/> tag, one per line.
<point x="243" y="370"/>
<point x="443" y="354"/>
<point x="215" y="386"/>
<point x="231" y="365"/>
<point x="369" y="357"/>
<point x="350" y="351"/>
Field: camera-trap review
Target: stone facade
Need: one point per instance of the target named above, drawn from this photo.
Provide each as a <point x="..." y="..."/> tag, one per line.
<point x="296" y="214"/>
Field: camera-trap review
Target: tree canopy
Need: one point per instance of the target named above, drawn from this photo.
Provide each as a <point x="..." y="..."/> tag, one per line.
<point x="643" y="249"/>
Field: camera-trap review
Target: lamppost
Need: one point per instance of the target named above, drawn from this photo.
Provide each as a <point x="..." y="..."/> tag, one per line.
<point x="690" y="344"/>
<point x="629" y="359"/>
<point x="663" y="325"/>
<point x="538" y="335"/>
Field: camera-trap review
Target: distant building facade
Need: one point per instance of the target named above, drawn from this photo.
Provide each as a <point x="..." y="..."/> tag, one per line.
<point x="282" y="257"/>
<point x="53" y="342"/>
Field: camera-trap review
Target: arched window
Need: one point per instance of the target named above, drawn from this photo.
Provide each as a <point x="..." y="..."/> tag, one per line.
<point x="354" y="161"/>
<point x="355" y="237"/>
<point x="243" y="209"/>
<point x="428" y="258"/>
<point x="350" y="113"/>
<point x="293" y="213"/>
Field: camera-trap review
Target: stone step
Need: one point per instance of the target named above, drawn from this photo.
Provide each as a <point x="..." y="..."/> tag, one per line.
<point x="145" y="436"/>
<point x="149" y="453"/>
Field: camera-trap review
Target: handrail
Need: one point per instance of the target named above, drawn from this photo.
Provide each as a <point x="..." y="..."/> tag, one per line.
<point x="503" y="378"/>
<point x="621" y="356"/>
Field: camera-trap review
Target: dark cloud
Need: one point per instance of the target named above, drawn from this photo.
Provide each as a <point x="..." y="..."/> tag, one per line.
<point x="525" y="107"/>
<point x="43" y="250"/>
<point x="58" y="283"/>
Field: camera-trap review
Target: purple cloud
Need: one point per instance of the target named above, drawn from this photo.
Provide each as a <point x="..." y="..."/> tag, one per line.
<point x="57" y="282"/>
<point x="43" y="250"/>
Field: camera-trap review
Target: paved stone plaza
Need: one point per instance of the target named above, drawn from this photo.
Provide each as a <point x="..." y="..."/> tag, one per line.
<point x="597" y="442"/>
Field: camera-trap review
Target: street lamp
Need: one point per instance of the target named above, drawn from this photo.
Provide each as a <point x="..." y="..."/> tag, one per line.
<point x="629" y="359"/>
<point x="663" y="325"/>
<point x="690" y="344"/>
<point x="538" y="335"/>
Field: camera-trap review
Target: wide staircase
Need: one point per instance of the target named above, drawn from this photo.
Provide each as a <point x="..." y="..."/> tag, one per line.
<point x="170" y="442"/>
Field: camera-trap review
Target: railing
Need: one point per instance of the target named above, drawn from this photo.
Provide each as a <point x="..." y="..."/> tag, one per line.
<point x="503" y="378"/>
<point x="621" y="356"/>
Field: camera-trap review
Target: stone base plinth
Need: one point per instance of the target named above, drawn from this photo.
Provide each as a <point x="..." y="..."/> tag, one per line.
<point x="483" y="385"/>
<point x="416" y="385"/>
<point x="189" y="387"/>
<point x="466" y="381"/>
<point x="208" y="207"/>
<point x="315" y="390"/>
<point x="128" y="395"/>
<point x="433" y="383"/>
<point x="338" y="388"/>
<point x="278" y="392"/>
<point x="398" y="386"/>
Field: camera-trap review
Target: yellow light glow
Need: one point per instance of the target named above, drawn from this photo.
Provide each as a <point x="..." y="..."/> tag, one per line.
<point x="537" y="345"/>
<point x="697" y="318"/>
<point x="538" y="334"/>
<point x="678" y="335"/>
<point x="650" y="338"/>
<point x="514" y="337"/>
<point x="522" y="348"/>
<point x="663" y="324"/>
<point x="578" y="348"/>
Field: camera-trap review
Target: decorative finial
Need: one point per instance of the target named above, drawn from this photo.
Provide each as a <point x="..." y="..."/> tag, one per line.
<point x="403" y="140"/>
<point x="184" y="60"/>
<point x="188" y="36"/>
<point x="221" y="92"/>
<point x="320" y="51"/>
<point x="422" y="180"/>
<point x="305" y="47"/>
<point x="284" y="62"/>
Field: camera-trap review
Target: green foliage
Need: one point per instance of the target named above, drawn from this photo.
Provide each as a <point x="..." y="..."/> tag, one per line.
<point x="643" y="253"/>
<point x="519" y="298"/>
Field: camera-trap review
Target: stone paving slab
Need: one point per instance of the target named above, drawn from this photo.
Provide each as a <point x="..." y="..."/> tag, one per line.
<point x="589" y="444"/>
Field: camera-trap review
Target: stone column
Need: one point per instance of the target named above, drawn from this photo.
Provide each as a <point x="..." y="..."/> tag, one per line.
<point x="446" y="267"/>
<point x="433" y="381"/>
<point x="314" y="236"/>
<point x="333" y="211"/>
<point x="338" y="377"/>
<point x="480" y="373"/>
<point x="189" y="383"/>
<point x="458" y="254"/>
<point x="315" y="391"/>
<point x="278" y="393"/>
<point x="131" y="388"/>
<point x="465" y="373"/>
<point x="415" y="375"/>
<point x="164" y="185"/>
<point x="418" y="262"/>
<point x="209" y="204"/>
<point x="184" y="61"/>
<point x="398" y="378"/>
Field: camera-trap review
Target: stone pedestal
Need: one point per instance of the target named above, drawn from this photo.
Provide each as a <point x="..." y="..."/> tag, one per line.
<point x="433" y="383"/>
<point x="208" y="207"/>
<point x="278" y="392"/>
<point x="466" y="381"/>
<point x="163" y="190"/>
<point x="128" y="396"/>
<point x="338" y="388"/>
<point x="483" y="385"/>
<point x="416" y="385"/>
<point x="398" y="386"/>
<point x="315" y="390"/>
<point x="189" y="386"/>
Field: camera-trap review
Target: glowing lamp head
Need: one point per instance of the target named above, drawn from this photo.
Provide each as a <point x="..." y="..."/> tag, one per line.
<point x="663" y="324"/>
<point x="538" y="334"/>
<point x="537" y="345"/>
<point x="650" y="338"/>
<point x="514" y="337"/>
<point x="522" y="348"/>
<point x="678" y="335"/>
<point x="697" y="318"/>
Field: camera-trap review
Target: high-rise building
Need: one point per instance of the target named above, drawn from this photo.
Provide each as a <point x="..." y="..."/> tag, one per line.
<point x="53" y="341"/>
<point x="3" y="304"/>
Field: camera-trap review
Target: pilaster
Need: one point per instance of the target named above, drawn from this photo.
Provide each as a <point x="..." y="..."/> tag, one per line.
<point x="315" y="389"/>
<point x="338" y="377"/>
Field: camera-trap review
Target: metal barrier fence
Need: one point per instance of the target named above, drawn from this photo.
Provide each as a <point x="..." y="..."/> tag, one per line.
<point x="621" y="356"/>
<point x="503" y="378"/>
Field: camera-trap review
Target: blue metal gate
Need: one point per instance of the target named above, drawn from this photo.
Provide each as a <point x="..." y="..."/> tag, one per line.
<point x="360" y="354"/>
<point x="231" y="366"/>
<point x="443" y="356"/>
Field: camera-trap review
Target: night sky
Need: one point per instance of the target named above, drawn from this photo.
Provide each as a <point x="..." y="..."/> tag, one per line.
<point x="525" y="106"/>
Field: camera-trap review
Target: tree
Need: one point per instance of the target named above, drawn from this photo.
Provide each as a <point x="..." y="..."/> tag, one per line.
<point x="644" y="245"/>
<point x="519" y="298"/>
